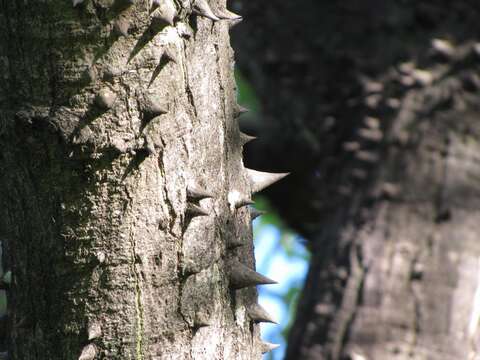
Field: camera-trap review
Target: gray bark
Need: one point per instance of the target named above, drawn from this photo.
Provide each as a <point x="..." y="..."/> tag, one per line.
<point x="107" y="115"/>
<point x="383" y="118"/>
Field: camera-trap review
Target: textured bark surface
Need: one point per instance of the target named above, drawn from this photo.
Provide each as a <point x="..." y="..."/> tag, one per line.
<point x="107" y="115"/>
<point x="373" y="106"/>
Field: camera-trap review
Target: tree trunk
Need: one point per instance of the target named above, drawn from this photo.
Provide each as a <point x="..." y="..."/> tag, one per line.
<point x="110" y="110"/>
<point x="379" y="100"/>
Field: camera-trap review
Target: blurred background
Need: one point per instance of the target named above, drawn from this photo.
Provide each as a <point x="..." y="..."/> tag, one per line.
<point x="280" y="253"/>
<point x="373" y="106"/>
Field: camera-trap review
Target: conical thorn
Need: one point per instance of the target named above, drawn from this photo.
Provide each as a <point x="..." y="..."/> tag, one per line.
<point x="237" y="200"/>
<point x="235" y="242"/>
<point x="105" y="98"/>
<point x="195" y="210"/>
<point x="88" y="352"/>
<point x="184" y="30"/>
<point x="165" y="11"/>
<point x="245" y="138"/>
<point x="228" y="15"/>
<point x="154" y="108"/>
<point x="233" y="23"/>
<point x="121" y="26"/>
<point x="239" y="110"/>
<point x="201" y="7"/>
<point x="152" y="105"/>
<point x="244" y="202"/>
<point x="254" y="213"/>
<point x="242" y="276"/>
<point x="149" y="146"/>
<point x="267" y="347"/>
<point x="197" y="193"/>
<point x="260" y="180"/>
<point x="259" y="314"/>
<point x="94" y="330"/>
<point x="201" y="319"/>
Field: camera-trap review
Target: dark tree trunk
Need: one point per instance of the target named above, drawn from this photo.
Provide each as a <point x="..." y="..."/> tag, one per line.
<point x="373" y="106"/>
<point x="109" y="113"/>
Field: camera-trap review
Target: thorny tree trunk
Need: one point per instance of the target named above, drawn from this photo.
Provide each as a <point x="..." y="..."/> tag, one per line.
<point x="108" y="114"/>
<point x="385" y="120"/>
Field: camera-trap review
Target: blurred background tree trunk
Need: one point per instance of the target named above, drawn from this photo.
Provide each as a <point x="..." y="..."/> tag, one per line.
<point x="373" y="105"/>
<point x="108" y="112"/>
